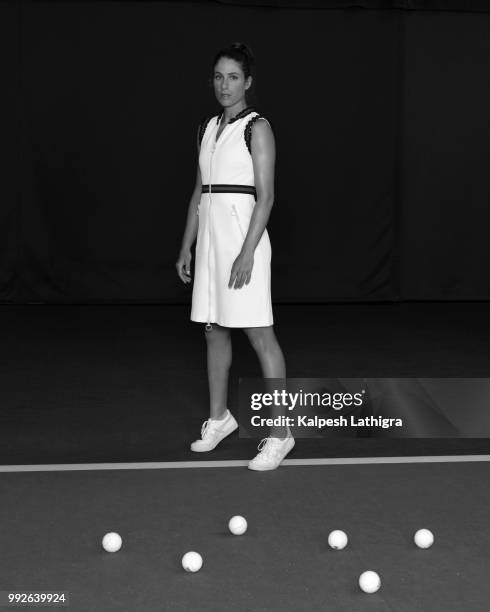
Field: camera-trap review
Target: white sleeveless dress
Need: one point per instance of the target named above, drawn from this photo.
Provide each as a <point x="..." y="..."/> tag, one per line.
<point x="224" y="211"/>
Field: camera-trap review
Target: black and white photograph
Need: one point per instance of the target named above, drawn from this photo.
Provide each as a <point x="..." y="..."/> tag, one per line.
<point x="245" y="305"/>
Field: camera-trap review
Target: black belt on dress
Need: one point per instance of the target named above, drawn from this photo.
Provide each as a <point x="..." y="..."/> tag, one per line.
<point x="220" y="188"/>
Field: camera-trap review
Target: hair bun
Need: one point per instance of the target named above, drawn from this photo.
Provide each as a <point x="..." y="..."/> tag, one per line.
<point x="239" y="46"/>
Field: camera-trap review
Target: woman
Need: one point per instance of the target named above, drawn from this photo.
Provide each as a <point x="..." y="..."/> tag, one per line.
<point x="228" y="211"/>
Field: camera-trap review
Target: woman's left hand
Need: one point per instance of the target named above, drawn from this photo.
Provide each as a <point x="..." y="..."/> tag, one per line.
<point x="241" y="271"/>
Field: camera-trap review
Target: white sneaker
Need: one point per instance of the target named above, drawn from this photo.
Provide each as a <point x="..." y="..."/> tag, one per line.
<point x="212" y="432"/>
<point x="272" y="452"/>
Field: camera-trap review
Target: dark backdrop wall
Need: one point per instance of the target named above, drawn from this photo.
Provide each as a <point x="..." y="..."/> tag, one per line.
<point x="383" y="146"/>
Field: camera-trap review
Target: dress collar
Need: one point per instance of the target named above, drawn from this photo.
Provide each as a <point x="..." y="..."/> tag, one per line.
<point x="243" y="113"/>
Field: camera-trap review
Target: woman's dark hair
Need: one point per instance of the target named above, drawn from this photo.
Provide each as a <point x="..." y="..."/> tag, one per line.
<point x="242" y="54"/>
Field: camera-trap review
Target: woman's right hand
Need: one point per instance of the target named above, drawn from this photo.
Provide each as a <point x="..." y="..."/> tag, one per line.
<point x="183" y="266"/>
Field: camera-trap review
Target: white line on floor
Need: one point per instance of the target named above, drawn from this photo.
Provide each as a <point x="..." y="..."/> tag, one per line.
<point x="60" y="467"/>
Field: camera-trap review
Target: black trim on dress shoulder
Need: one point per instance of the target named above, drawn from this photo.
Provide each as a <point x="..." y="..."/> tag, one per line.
<point x="243" y="113"/>
<point x="247" y="132"/>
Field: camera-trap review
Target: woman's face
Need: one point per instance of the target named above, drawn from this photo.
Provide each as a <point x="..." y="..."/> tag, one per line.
<point x="229" y="82"/>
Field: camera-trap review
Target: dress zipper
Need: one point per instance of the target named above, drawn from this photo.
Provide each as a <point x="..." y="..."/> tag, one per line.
<point x="209" y="327"/>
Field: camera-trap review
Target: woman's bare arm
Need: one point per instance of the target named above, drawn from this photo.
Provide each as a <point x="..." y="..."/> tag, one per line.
<point x="263" y="158"/>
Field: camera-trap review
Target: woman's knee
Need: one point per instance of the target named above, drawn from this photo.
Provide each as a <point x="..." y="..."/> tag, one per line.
<point x="261" y="338"/>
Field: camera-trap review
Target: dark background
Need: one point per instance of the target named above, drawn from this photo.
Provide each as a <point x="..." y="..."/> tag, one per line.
<point x="381" y="117"/>
<point x="382" y="130"/>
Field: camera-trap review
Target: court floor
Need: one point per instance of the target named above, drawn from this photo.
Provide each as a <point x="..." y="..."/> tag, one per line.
<point x="54" y="517"/>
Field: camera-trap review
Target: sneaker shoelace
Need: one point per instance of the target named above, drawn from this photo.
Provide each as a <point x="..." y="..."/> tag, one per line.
<point x="208" y="426"/>
<point x="267" y="447"/>
<point x="205" y="428"/>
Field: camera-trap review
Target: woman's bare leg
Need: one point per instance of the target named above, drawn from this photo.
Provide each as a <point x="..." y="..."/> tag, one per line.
<point x="219" y="355"/>
<point x="272" y="362"/>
